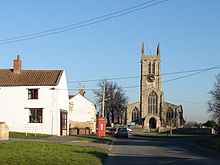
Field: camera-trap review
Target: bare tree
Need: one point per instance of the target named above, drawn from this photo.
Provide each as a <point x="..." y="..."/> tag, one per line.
<point x="214" y="103"/>
<point x="115" y="101"/>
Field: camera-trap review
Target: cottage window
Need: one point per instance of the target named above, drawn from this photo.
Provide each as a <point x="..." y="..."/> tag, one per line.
<point x="35" y="115"/>
<point x="32" y="93"/>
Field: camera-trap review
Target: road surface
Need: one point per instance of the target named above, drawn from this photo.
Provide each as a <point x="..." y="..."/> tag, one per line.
<point x="150" y="151"/>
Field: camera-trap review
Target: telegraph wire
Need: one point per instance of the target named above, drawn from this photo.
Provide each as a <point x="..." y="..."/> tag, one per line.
<point x="67" y="26"/>
<point x="189" y="75"/>
<point x="95" y="80"/>
<point x="82" y="23"/>
<point x="133" y="77"/>
<point x="199" y="71"/>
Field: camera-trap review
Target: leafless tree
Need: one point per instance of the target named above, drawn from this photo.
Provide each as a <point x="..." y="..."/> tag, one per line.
<point x="214" y="103"/>
<point x="192" y="124"/>
<point x="115" y="101"/>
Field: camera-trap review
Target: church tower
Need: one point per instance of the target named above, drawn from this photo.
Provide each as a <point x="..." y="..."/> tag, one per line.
<point x="151" y="95"/>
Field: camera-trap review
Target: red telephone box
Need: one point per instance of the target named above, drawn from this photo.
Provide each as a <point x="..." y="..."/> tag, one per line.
<point x="101" y="126"/>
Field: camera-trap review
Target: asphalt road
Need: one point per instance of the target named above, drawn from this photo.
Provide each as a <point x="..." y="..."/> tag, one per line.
<point x="150" y="151"/>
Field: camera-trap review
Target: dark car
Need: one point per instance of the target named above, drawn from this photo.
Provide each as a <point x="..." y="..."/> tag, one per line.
<point x="122" y="132"/>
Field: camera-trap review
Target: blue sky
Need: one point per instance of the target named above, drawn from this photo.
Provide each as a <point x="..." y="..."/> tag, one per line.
<point x="188" y="32"/>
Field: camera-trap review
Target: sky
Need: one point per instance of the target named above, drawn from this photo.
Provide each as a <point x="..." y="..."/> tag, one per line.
<point x="188" y="32"/>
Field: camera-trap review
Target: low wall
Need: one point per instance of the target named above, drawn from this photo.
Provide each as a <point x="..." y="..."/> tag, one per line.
<point x="198" y="131"/>
<point x="80" y="131"/>
<point x="86" y="124"/>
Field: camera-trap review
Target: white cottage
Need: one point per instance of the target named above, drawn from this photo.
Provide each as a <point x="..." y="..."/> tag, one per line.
<point x="34" y="100"/>
<point x="82" y="112"/>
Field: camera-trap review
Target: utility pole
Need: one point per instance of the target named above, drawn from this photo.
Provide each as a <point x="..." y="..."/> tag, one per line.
<point x="103" y="100"/>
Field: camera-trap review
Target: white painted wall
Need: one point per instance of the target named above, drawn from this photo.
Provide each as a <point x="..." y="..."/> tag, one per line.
<point x="14" y="107"/>
<point x="82" y="110"/>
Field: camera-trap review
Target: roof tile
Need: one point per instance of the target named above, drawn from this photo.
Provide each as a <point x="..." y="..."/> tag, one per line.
<point x="30" y="77"/>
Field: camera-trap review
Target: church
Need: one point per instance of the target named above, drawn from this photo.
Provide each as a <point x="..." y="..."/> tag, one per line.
<point x="151" y="112"/>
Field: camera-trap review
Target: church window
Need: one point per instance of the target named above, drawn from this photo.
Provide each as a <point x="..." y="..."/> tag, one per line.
<point x="135" y="114"/>
<point x="152" y="103"/>
<point x="149" y="67"/>
<point x="153" y="68"/>
<point x="170" y="115"/>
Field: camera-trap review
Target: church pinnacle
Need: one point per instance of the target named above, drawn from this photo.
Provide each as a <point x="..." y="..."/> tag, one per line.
<point x="158" y="49"/>
<point x="142" y="49"/>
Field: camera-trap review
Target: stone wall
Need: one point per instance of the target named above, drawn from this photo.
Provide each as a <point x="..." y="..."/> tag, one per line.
<point x="198" y="131"/>
<point x="86" y="124"/>
<point x="4" y="131"/>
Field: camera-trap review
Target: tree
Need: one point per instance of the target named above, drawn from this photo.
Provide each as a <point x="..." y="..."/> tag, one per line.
<point x="115" y="101"/>
<point x="192" y="124"/>
<point x="214" y="103"/>
<point x="211" y="124"/>
<point x="171" y="123"/>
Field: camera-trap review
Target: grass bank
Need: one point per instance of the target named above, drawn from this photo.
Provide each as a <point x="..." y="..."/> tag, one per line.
<point x="29" y="135"/>
<point x="107" y="139"/>
<point x="37" y="153"/>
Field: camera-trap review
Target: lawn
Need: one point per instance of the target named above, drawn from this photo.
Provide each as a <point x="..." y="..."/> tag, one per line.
<point x="29" y="135"/>
<point x="105" y="140"/>
<point x="41" y="153"/>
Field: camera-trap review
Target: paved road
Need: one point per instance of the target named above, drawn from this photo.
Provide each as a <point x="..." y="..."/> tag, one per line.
<point x="150" y="151"/>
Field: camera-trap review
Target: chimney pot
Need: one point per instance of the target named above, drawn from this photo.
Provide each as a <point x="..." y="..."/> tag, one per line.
<point x="17" y="65"/>
<point x="82" y="92"/>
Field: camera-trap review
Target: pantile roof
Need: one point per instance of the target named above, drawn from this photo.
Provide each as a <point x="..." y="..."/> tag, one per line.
<point x="30" y="77"/>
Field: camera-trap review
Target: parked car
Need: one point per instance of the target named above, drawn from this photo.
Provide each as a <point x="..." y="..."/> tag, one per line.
<point x="122" y="132"/>
<point x="110" y="130"/>
<point x="129" y="130"/>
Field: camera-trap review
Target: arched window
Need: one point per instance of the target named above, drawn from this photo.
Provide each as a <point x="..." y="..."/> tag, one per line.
<point x="170" y="115"/>
<point x="135" y="114"/>
<point x="149" y="67"/>
<point x="152" y="103"/>
<point x="153" y="68"/>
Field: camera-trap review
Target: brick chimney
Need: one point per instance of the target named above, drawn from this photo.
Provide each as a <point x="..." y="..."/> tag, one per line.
<point x="82" y="92"/>
<point x="17" y="65"/>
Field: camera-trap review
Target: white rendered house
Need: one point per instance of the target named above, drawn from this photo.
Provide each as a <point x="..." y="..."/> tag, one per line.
<point x="82" y="112"/>
<point x="34" y="101"/>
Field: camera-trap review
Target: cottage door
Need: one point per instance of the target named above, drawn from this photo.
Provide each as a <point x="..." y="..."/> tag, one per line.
<point x="63" y="123"/>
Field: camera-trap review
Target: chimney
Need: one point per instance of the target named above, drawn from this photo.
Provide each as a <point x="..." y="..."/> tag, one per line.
<point x="82" y="92"/>
<point x="17" y="65"/>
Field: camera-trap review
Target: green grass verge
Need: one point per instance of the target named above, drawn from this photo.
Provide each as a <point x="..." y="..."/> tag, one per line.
<point x="40" y="153"/>
<point x="29" y="135"/>
<point x="96" y="139"/>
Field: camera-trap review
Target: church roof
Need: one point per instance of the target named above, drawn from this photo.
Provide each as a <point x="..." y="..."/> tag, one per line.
<point x="170" y="104"/>
<point x="30" y="77"/>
